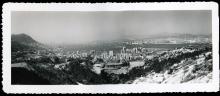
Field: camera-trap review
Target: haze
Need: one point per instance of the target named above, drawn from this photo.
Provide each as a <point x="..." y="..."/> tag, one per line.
<point x="85" y="27"/>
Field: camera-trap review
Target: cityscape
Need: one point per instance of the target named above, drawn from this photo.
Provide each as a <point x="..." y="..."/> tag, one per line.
<point x="122" y="50"/>
<point x="128" y="56"/>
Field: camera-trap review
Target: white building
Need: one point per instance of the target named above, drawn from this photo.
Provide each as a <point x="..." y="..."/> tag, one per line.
<point x="111" y="53"/>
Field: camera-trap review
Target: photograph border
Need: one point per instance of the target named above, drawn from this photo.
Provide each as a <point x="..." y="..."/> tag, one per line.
<point x="108" y="88"/>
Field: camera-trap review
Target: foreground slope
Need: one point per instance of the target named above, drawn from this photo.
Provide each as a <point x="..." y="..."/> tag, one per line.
<point x="196" y="69"/>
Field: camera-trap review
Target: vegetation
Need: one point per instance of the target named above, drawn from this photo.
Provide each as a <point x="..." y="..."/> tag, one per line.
<point x="24" y="76"/>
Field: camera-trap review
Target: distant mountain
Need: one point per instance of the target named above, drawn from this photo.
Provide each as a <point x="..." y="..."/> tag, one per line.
<point x="20" y="42"/>
<point x="189" y="36"/>
<point x="177" y="35"/>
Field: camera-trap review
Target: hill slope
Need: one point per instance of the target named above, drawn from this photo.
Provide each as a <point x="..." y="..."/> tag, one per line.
<point x="21" y="42"/>
<point x="23" y="38"/>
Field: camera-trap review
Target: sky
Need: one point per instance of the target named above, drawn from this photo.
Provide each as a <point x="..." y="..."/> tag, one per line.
<point x="73" y="27"/>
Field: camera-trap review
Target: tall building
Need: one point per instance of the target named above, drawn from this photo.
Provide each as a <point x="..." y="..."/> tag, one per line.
<point x="111" y="53"/>
<point x="104" y="54"/>
<point x="77" y="52"/>
<point x="123" y="50"/>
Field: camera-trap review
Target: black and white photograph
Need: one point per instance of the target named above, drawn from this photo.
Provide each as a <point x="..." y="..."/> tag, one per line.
<point x="111" y="47"/>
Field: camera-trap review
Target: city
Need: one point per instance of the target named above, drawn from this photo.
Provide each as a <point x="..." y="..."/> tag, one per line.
<point x="111" y="47"/>
<point x="128" y="56"/>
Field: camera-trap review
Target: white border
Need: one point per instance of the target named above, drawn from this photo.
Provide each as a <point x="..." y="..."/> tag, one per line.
<point x="119" y="88"/>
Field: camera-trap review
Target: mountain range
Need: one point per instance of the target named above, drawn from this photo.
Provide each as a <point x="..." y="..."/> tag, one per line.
<point x="24" y="41"/>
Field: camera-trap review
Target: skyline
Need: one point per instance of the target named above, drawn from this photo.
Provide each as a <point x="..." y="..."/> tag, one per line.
<point x="84" y="27"/>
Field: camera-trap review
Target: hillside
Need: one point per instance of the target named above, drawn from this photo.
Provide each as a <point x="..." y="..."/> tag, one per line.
<point x="24" y="76"/>
<point x="23" y="42"/>
<point x="23" y="38"/>
<point x="196" y="69"/>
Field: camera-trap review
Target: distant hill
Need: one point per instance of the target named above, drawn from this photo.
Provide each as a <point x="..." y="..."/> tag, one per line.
<point x="190" y="36"/>
<point x="127" y="37"/>
<point x="177" y="35"/>
<point x="23" y="38"/>
<point x="20" y="42"/>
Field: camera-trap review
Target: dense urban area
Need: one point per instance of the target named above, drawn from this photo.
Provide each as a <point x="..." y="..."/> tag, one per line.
<point x="163" y="60"/>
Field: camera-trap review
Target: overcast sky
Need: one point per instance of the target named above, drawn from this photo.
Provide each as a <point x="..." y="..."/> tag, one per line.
<point x="83" y="27"/>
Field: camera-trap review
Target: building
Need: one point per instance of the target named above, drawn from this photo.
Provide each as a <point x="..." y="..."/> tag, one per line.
<point x="104" y="55"/>
<point x="84" y="54"/>
<point x="113" y="66"/>
<point x="111" y="53"/>
<point x="77" y="52"/>
<point x="123" y="50"/>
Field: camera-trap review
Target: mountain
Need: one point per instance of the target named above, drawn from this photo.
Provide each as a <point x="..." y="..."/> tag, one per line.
<point x="128" y="37"/>
<point x="21" y="42"/>
<point x="176" y="35"/>
<point x="189" y="36"/>
<point x="23" y="38"/>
